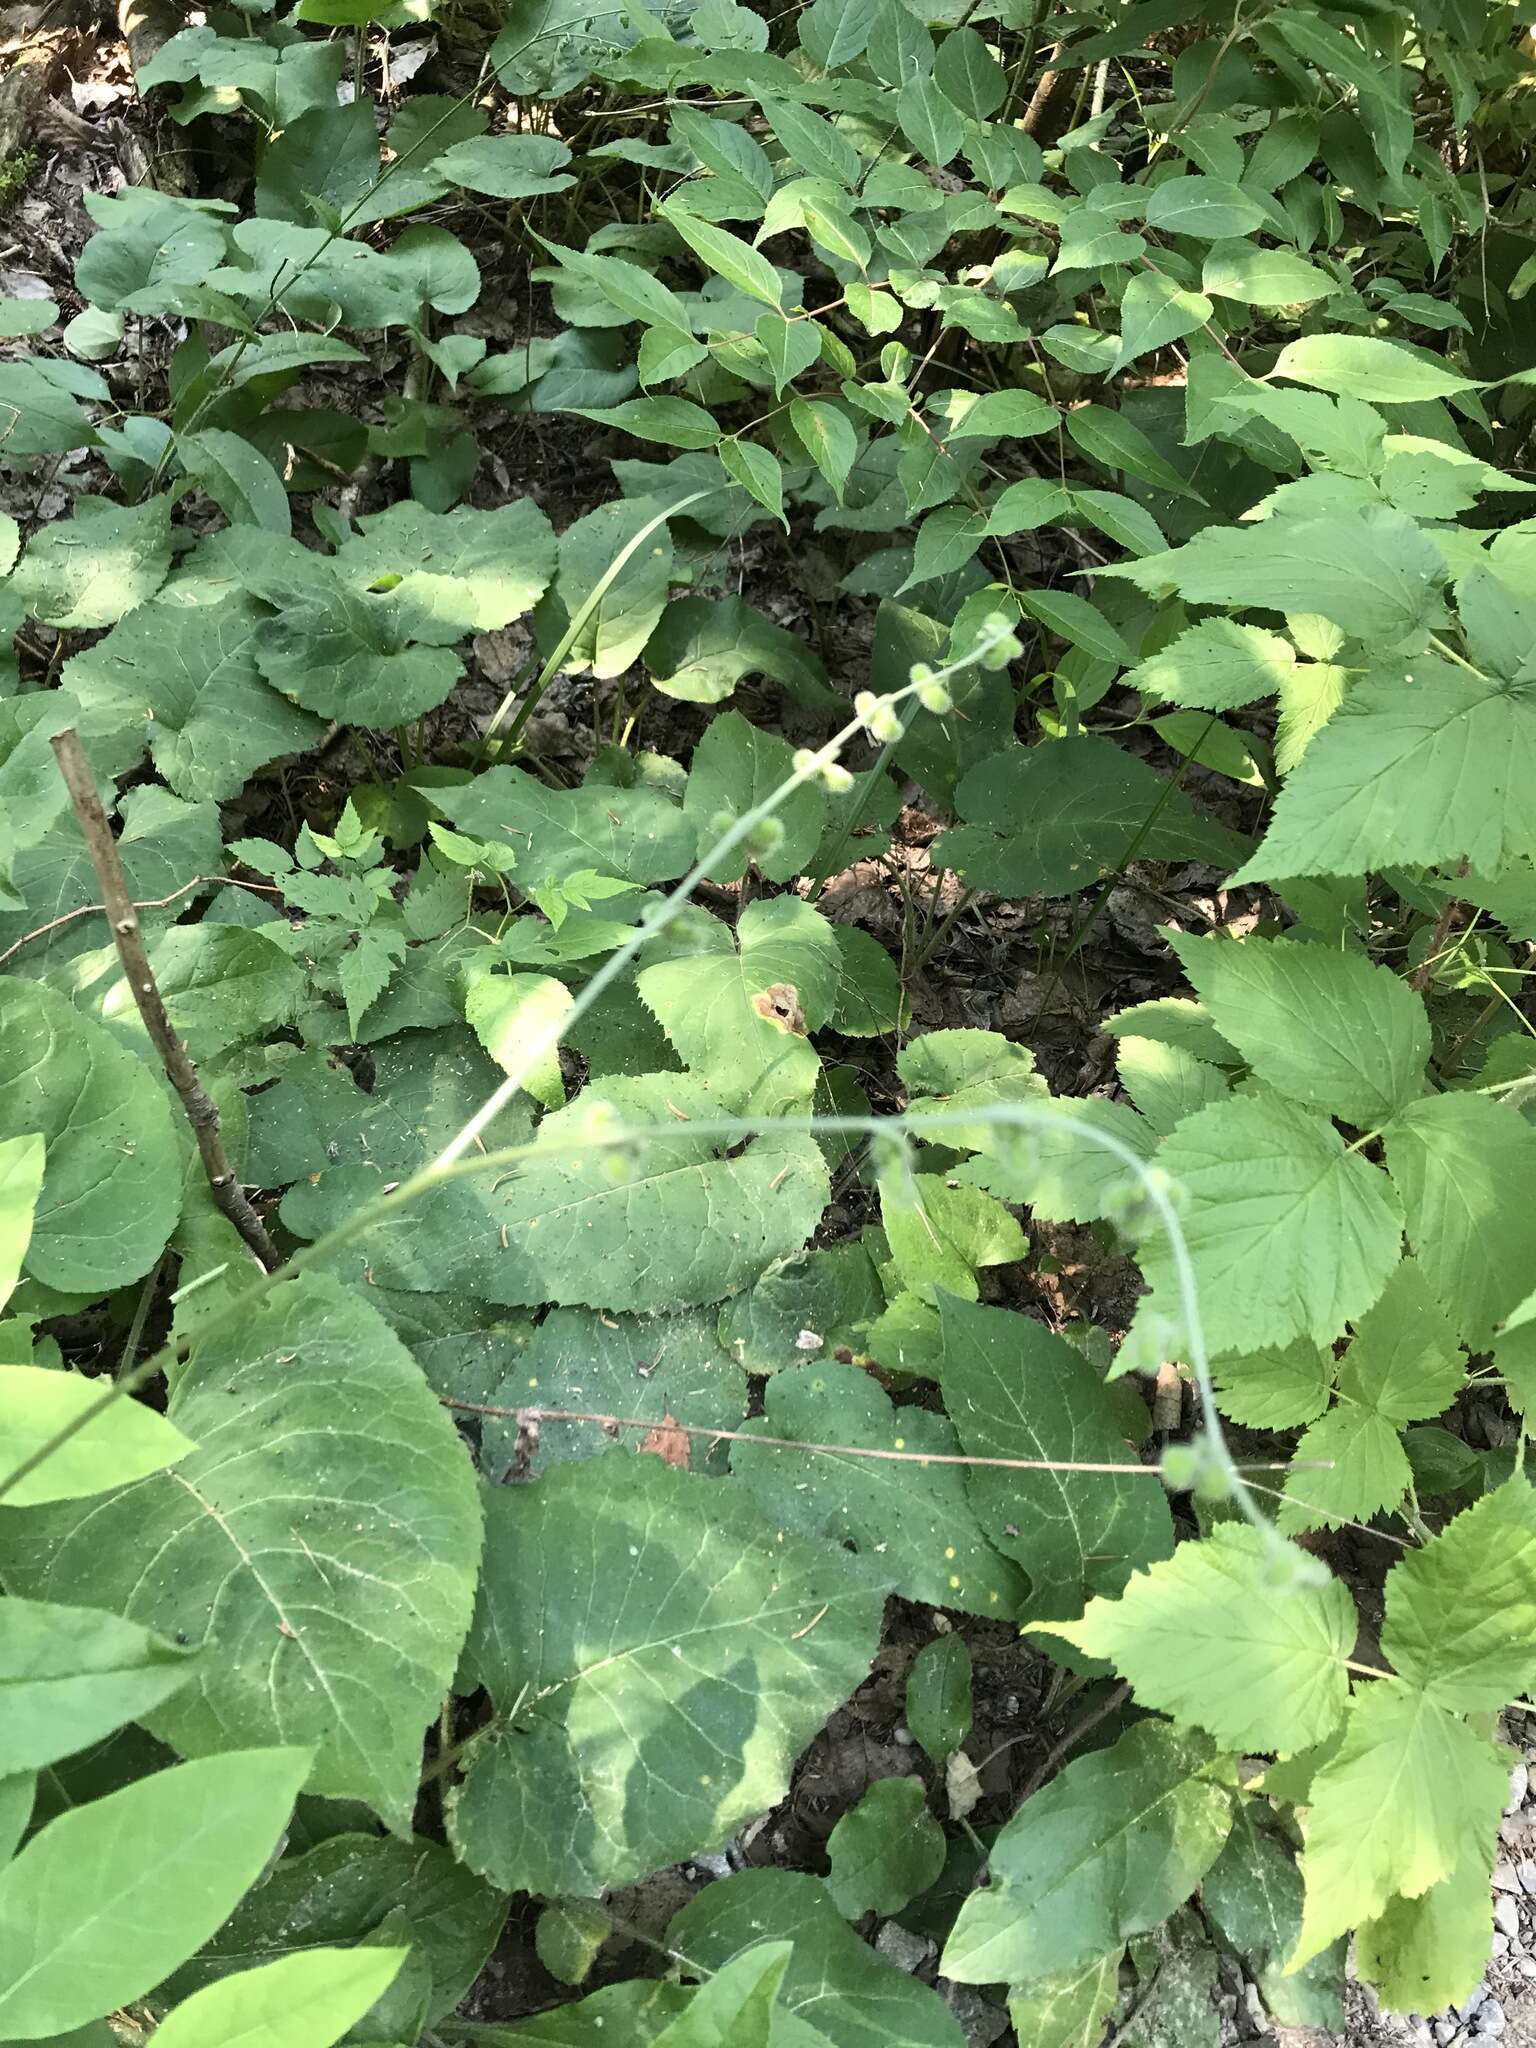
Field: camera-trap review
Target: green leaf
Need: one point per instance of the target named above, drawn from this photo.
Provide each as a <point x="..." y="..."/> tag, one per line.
<point x="1264" y="277"/>
<point x="1069" y="2009"/>
<point x="736" y="261"/>
<point x="1210" y="209"/>
<point x="1290" y="1235"/>
<point x="675" y="422"/>
<point x="1051" y="819"/>
<point x="1060" y="1171"/>
<point x="1385" y="782"/>
<point x="506" y="166"/>
<point x="92" y="569"/>
<point x="107" y="1898"/>
<point x="1461" y="1611"/>
<point x="938" y="1706"/>
<point x="186" y="666"/>
<point x="21" y="1182"/>
<point x="222" y="984"/>
<point x="70" y="1675"/>
<point x="930" y="123"/>
<point x="348" y="1638"/>
<point x="941" y="1233"/>
<point x="616" y="1594"/>
<point x="1465" y="1167"/>
<point x="835" y="1986"/>
<point x="950" y="1073"/>
<point x="735" y="767"/>
<point x="1208" y="1637"/>
<point x="1074" y="619"/>
<point x="1108" y="1849"/>
<point x="1274" y="1389"/>
<point x="1365" y="1471"/>
<point x="828" y="438"/>
<point x="637" y="835"/>
<point x="1360" y="366"/>
<point x="1252" y="1897"/>
<point x="757" y="472"/>
<point x="452" y="573"/>
<point x="1015" y="1391"/>
<point x="999" y="415"/>
<point x="1328" y="1029"/>
<point x="884" y="1851"/>
<point x="835" y="1294"/>
<point x="704" y="646"/>
<point x="738" y="1017"/>
<point x="153" y="241"/>
<point x="911" y="1523"/>
<point x="347" y="1888"/>
<point x="1155" y="311"/>
<point x="1117" y="444"/>
<point x="505" y="1011"/>
<point x="1216" y="666"/>
<point x="1372" y="572"/>
<point x="1167" y="1084"/>
<point x="621" y="621"/>
<point x="1408" y="1795"/>
<point x="1423" y="1953"/>
<point x="299" y="2001"/>
<point x="237" y="477"/>
<point x="736" y="2005"/>
<point x="106" y="1209"/>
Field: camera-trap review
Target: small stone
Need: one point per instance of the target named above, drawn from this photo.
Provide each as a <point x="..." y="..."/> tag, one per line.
<point x="716" y="1866"/>
<point x="1525" y="1870"/>
<point x="1500" y="1944"/>
<point x="900" y="1946"/>
<point x="1506" y="1878"/>
<point x="1506" y="1916"/>
<point x="902" y="1737"/>
<point x="980" y="2022"/>
<point x="1519" y="1780"/>
<point x="1526" y="1965"/>
<point x="1490" y="2018"/>
<point x="1446" y="2031"/>
<point x="1473" y="2002"/>
<point x="1254" y="2006"/>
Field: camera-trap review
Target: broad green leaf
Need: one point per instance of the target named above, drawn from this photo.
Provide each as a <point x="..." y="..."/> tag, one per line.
<point x="1069" y="2009"/>
<point x="21" y="1183"/>
<point x="1403" y="1362"/>
<point x="951" y="1073"/>
<point x="757" y="471"/>
<point x="1061" y="1172"/>
<point x="837" y="1988"/>
<point x="150" y="241"/>
<point x="675" y="422"/>
<point x="1252" y="1897"/>
<point x="1108" y="1849"/>
<point x="1274" y="1389"/>
<point x="1167" y="1084"/>
<point x="790" y="346"/>
<point x="1216" y="666"/>
<point x="884" y="1851"/>
<point x="929" y="121"/>
<point x="506" y="1012"/>
<point x="1461" y="1611"/>
<point x="736" y="261"/>
<point x="616" y="1594"/>
<point x="835" y="1294"/>
<point x="1155" y="311"/>
<point x="346" y="1888"/>
<point x="1465" y="1167"/>
<point x="18" y="1792"/>
<point x="1385" y="783"/>
<point x="222" y="984"/>
<point x="70" y="1675"/>
<point x="506" y="166"/>
<point x="1118" y="444"/>
<point x="1360" y="366"/>
<point x="299" y="2001"/>
<point x="1054" y="818"/>
<point x="1002" y="415"/>
<point x="968" y="75"/>
<point x="622" y="620"/>
<point x="637" y="835"/>
<point x="452" y="573"/>
<point x="92" y="569"/>
<point x="348" y="1637"/>
<point x="1207" y="1636"/>
<point x="1408" y="1795"/>
<point x="1015" y="1391"/>
<point x="237" y="477"/>
<point x="1211" y="209"/>
<point x="912" y="1523"/>
<point x="735" y="767"/>
<point x="738" y="1015"/>
<point x="186" y="666"/>
<point x="1074" y="619"/>
<point x="828" y="439"/>
<point x="1326" y="1028"/>
<point x="941" y="1233"/>
<point x="110" y="1896"/>
<point x="1423" y="1953"/>
<point x="122" y="1443"/>
<point x="1290" y="1234"/>
<point x="634" y="2011"/>
<point x="735" y="2007"/>
<point x="1364" y="1471"/>
<point x="1264" y="277"/>
<point x="938" y="1705"/>
<point x="1372" y="572"/>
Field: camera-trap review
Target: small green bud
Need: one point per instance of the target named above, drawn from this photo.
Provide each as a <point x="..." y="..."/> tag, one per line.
<point x="836" y="778"/>
<point x="1180" y="1468"/>
<point x="865" y="704"/>
<point x="804" y="761"/>
<point x="1002" y="651"/>
<point x="921" y="672"/>
<point x="883" y="723"/>
<point x="934" y="697"/>
<point x="767" y="838"/>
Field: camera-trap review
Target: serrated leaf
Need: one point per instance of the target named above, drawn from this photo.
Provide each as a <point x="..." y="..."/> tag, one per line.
<point x="365" y="970"/>
<point x="735" y="767"/>
<point x="836" y="1988"/>
<point x="1166" y="1083"/>
<point x="1206" y="1637"/>
<point x="1461" y="1611"/>
<point x="186" y="665"/>
<point x="506" y="1011"/>
<point x="1274" y="1389"/>
<point x="1385" y="782"/>
<point x="1216" y="666"/>
<point x="1465" y="1167"/>
<point x="1153" y="312"/>
<point x="1353" y="1468"/>
<point x="616" y="1593"/>
<point x="1326" y="1028"/>
<point x="222" y="984"/>
<point x="1108" y="1849"/>
<point x="1290" y="1234"/>
<point x="884" y="1851"/>
<point x="1062" y="1173"/>
<point x="1053" y="818"/>
<point x="637" y="835"/>
<point x="299" y="2001"/>
<point x="911" y="1523"/>
<point x="1408" y="1795"/>
<point x="347" y="1638"/>
<point x="107" y="1206"/>
<point x="452" y="573"/>
<point x="1015" y="1391"/>
<point x="108" y="1897"/>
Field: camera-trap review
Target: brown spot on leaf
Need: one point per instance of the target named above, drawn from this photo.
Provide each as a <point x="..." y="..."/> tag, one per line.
<point x="779" y="1005"/>
<point x="667" y="1442"/>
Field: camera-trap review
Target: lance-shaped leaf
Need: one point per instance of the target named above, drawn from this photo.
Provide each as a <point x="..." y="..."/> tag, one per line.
<point x="325" y="1533"/>
<point x="1108" y="1849"/>
<point x="299" y="2001"/>
<point x="658" y="1656"/>
<point x="1208" y="1636"/>
<point x="70" y="1675"/>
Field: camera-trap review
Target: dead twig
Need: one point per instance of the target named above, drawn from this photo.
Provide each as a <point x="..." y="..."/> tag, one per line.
<point x="128" y="936"/>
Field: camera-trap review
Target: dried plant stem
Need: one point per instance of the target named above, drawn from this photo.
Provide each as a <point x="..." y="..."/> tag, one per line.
<point x="127" y="934"/>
